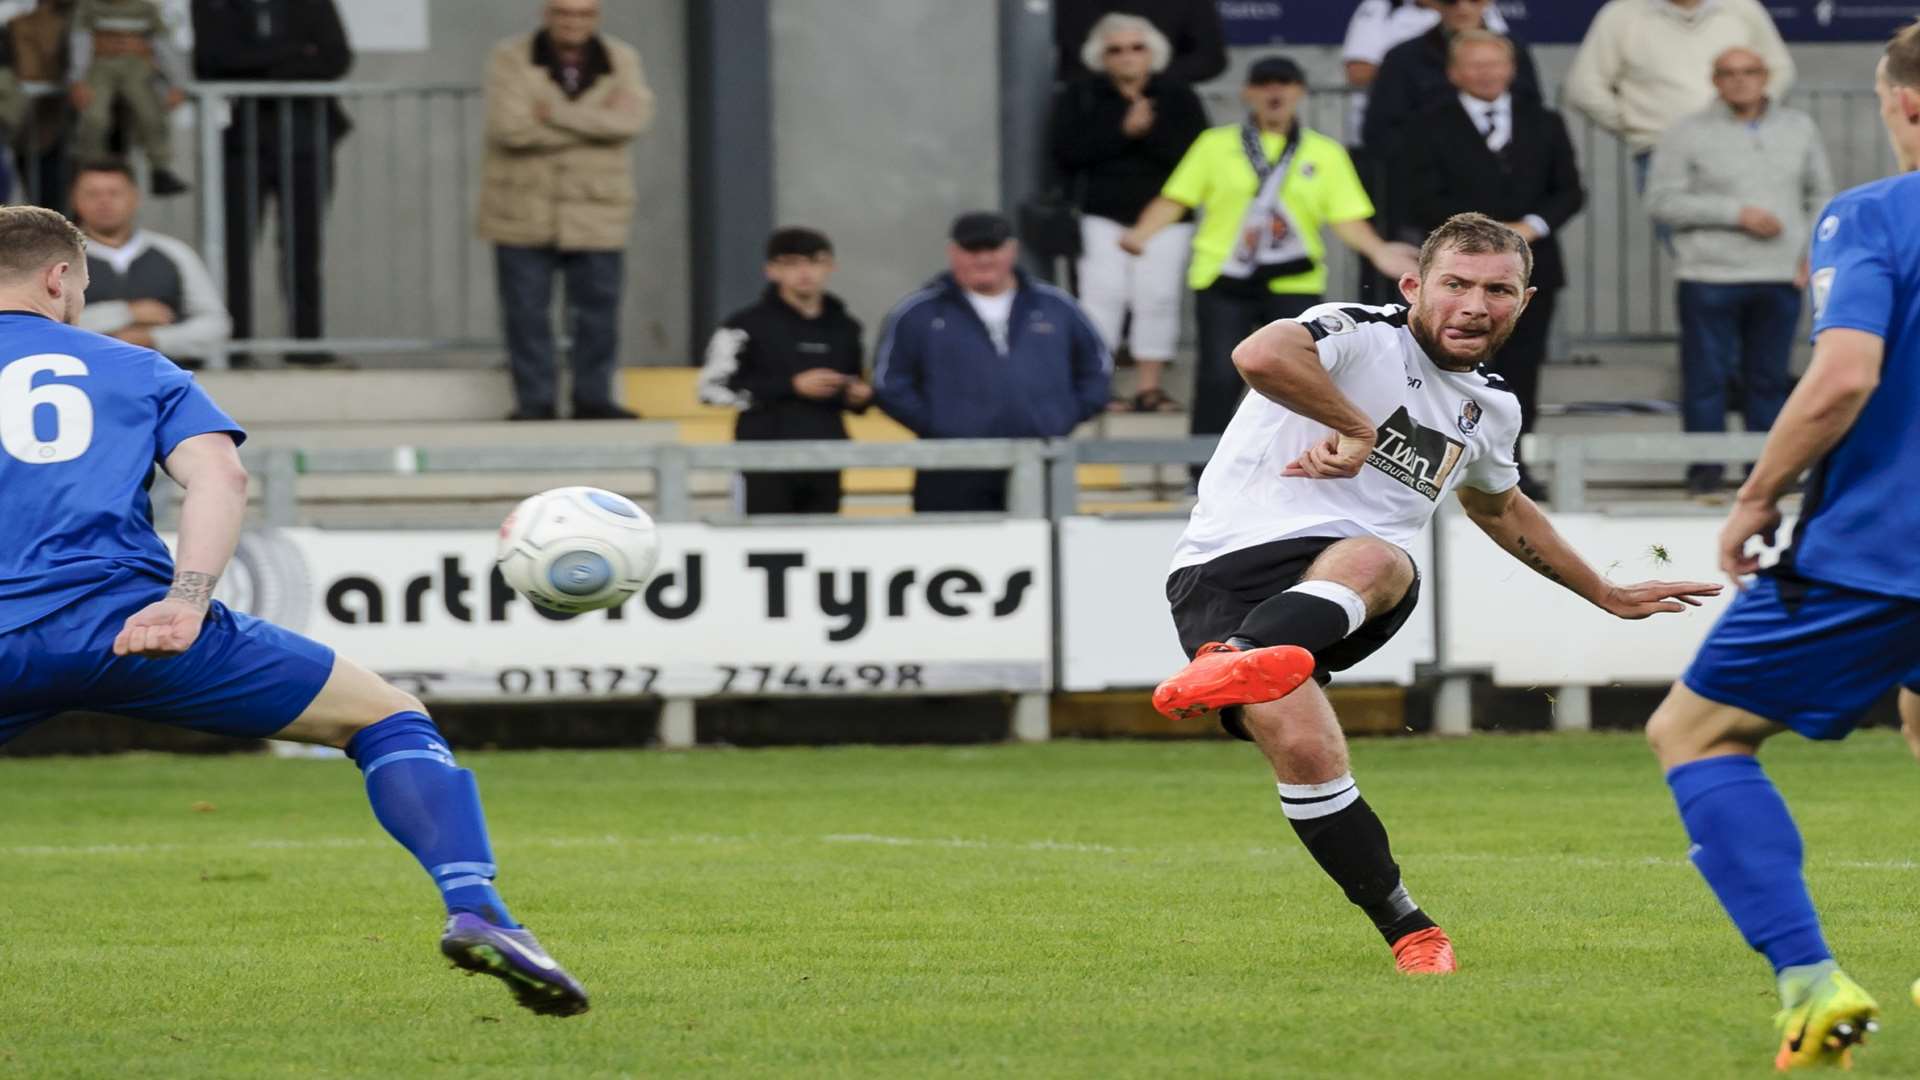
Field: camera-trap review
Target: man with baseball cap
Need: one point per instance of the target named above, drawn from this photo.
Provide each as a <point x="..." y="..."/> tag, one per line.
<point x="985" y="351"/>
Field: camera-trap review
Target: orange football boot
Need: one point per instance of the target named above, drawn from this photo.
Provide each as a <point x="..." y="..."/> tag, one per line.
<point x="1221" y="675"/>
<point x="1425" y="952"/>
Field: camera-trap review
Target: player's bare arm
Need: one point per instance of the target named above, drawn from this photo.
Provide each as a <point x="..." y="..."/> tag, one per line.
<point x="1281" y="362"/>
<point x="1845" y="370"/>
<point x="1517" y="525"/>
<point x="211" y="513"/>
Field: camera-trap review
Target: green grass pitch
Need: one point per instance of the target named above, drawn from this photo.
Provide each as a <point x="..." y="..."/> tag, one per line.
<point x="1118" y="909"/>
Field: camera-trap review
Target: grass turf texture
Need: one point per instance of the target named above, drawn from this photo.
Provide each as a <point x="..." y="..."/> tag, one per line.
<point x="1077" y="909"/>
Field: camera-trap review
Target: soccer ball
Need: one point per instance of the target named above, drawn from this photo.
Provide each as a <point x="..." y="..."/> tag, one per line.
<point x="577" y="549"/>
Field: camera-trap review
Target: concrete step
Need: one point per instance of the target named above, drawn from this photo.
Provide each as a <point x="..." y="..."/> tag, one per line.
<point x="359" y="397"/>
<point x="1562" y="383"/>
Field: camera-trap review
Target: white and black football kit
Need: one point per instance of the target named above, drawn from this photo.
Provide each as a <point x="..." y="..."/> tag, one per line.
<point x="1255" y="531"/>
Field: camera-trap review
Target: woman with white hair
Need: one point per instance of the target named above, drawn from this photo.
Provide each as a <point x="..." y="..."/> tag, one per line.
<point x="1116" y="136"/>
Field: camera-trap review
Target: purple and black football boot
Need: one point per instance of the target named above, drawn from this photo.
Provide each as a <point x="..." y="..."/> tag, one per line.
<point x="515" y="958"/>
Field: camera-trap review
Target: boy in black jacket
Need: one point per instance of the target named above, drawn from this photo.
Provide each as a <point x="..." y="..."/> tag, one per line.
<point x="791" y="365"/>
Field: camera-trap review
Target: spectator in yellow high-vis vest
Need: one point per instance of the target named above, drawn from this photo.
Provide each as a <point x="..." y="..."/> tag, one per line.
<point x="1265" y="188"/>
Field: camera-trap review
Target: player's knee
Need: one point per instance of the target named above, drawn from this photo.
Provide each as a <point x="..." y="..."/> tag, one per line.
<point x="1380" y="571"/>
<point x="1670" y="731"/>
<point x="1687" y="727"/>
<point x="1284" y="738"/>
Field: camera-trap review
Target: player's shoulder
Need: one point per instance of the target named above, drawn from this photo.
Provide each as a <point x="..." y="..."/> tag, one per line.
<point x="1494" y="395"/>
<point x="1338" y="318"/>
<point x="1873" y="218"/>
<point x="1889" y="200"/>
<point x="22" y="330"/>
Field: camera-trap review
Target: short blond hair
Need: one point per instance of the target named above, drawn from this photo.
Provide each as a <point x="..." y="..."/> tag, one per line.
<point x="1093" y="52"/>
<point x="1476" y="234"/>
<point x="33" y="238"/>
<point x="1903" y="57"/>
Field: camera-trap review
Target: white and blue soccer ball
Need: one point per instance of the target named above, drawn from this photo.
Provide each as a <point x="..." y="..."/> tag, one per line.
<point x="577" y="549"/>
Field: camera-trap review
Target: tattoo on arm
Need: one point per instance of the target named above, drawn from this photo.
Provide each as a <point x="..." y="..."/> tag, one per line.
<point x="194" y="587"/>
<point x="1531" y="556"/>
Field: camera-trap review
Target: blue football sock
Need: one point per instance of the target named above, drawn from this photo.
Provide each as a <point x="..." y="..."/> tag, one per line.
<point x="433" y="808"/>
<point x="1746" y="845"/>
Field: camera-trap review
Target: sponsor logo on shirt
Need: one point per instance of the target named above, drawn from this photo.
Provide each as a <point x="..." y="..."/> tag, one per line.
<point x="1417" y="456"/>
<point x="1829" y="226"/>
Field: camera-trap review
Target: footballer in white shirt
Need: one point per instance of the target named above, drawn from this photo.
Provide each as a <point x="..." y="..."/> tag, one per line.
<point x="1294" y="563"/>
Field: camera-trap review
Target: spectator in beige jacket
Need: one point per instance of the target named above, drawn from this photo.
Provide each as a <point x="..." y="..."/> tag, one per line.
<point x="563" y="108"/>
<point x="1647" y="63"/>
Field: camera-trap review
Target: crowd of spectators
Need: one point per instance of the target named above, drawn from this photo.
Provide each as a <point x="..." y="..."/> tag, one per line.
<point x="1236" y="215"/>
<point x="1445" y="102"/>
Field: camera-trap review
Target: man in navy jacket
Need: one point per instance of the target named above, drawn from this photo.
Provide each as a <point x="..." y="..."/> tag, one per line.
<point x="986" y="352"/>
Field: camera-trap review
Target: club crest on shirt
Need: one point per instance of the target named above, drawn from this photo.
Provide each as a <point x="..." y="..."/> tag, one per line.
<point x="1335" y="323"/>
<point x="1417" y="456"/>
<point x="1829" y="226"/>
<point x="1469" y="420"/>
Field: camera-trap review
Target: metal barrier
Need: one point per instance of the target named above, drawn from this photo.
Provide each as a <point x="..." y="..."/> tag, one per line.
<point x="373" y="248"/>
<point x="1568" y="455"/>
<point x="1043" y="486"/>
<point x="672" y="464"/>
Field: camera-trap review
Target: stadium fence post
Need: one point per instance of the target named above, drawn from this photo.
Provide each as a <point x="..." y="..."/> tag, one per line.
<point x="209" y="110"/>
<point x="676" y="724"/>
<point x="672" y="487"/>
<point x="1026" y="487"/>
<point x="1453" y="706"/>
<point x="1573" y="709"/>
<point x="1032" y="718"/>
<point x="280" y="494"/>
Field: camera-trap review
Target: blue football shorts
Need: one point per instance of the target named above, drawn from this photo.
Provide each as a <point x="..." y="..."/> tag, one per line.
<point x="1807" y="654"/>
<point x="244" y="676"/>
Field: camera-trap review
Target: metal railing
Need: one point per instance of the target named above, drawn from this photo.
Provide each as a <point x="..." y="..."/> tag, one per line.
<point x="321" y="245"/>
<point x="1044" y="480"/>
<point x="1027" y="461"/>
<point x="1043" y="485"/>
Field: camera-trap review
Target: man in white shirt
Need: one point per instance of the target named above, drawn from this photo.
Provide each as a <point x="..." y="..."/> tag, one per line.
<point x="1290" y="571"/>
<point x="147" y="289"/>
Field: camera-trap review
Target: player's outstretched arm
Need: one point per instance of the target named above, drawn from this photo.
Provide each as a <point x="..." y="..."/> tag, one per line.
<point x="1845" y="370"/>
<point x="211" y="513"/>
<point x="1281" y="362"/>
<point x="1518" y="526"/>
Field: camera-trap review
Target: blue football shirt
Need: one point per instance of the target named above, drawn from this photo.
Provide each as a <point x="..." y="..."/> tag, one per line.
<point x="1861" y="513"/>
<point x="83" y="420"/>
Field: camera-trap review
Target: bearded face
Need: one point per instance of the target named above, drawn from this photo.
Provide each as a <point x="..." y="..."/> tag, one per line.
<point x="1466" y="306"/>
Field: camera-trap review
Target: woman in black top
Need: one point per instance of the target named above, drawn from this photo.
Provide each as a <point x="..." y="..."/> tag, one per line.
<point x="1116" y="137"/>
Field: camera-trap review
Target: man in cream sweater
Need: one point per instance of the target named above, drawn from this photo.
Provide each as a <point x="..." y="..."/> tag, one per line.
<point x="1739" y="184"/>
<point x="1647" y="63"/>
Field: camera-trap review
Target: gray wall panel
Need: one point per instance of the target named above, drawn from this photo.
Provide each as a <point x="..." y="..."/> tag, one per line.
<point x="885" y="126"/>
